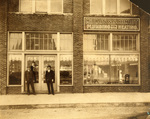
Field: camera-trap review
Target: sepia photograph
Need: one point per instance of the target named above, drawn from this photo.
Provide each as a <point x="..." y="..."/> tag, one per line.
<point x="74" y="59"/>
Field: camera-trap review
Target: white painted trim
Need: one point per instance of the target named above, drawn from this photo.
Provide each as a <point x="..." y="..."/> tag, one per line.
<point x="118" y="7"/>
<point x="58" y="41"/>
<point x="48" y="6"/>
<point x="23" y="41"/>
<point x="58" y="72"/>
<point x="22" y="73"/>
<point x="110" y="43"/>
<point x="103" y="8"/>
<point x="33" y="6"/>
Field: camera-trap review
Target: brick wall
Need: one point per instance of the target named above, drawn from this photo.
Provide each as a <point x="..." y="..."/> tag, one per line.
<point x="77" y="46"/>
<point x="66" y="89"/>
<point x="13" y="90"/>
<point x="91" y="89"/>
<point x="3" y="42"/>
<point x="39" y="22"/>
<point x="144" y="52"/>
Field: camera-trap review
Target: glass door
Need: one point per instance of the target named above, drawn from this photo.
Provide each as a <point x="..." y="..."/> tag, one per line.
<point x="39" y="65"/>
<point x="34" y="62"/>
<point x="48" y="60"/>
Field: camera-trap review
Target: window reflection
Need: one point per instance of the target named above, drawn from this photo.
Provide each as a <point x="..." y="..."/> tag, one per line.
<point x="41" y="5"/>
<point x="96" y="7"/>
<point x="56" y="6"/>
<point x="124" y="69"/>
<point x="66" y="42"/>
<point x="15" y="41"/>
<point x="96" y="42"/>
<point x="125" y="42"/>
<point x="41" y="41"/>
<point x="96" y="69"/>
<point x="65" y="69"/>
<point x="124" y="6"/>
<point x="110" y="69"/>
<point x="34" y="62"/>
<point x="15" y="69"/>
<point x="111" y="6"/>
<point x="26" y="5"/>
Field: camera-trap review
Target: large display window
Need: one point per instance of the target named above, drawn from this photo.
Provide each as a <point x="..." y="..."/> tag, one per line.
<point x="15" y="68"/>
<point x="119" y="64"/>
<point x="66" y="70"/>
<point x="111" y="69"/>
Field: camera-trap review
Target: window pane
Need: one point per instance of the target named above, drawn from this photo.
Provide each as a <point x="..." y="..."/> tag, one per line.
<point x="41" y="41"/>
<point x="41" y="6"/>
<point x="66" y="42"/>
<point x="66" y="69"/>
<point x="96" y="69"/>
<point x="124" y="6"/>
<point x="111" y="6"/>
<point x="56" y="6"/>
<point x="34" y="62"/>
<point x="26" y="5"/>
<point x="124" y="42"/>
<point x="15" y="69"/>
<point x="124" y="69"/>
<point x="15" y="41"/>
<point x="96" y="7"/>
<point x="96" y="42"/>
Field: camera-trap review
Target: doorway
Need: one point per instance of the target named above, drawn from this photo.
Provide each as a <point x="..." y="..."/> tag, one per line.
<point x="40" y="66"/>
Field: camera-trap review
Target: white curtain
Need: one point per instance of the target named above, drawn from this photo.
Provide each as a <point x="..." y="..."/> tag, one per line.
<point x="66" y="42"/>
<point x="15" y="41"/>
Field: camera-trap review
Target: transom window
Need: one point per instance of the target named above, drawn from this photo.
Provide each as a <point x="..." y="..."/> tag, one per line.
<point x="44" y="6"/>
<point x="40" y="41"/>
<point x="110" y="7"/>
<point x="111" y="42"/>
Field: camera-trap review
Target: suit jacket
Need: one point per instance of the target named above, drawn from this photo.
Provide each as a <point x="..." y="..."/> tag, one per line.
<point x="29" y="76"/>
<point x="49" y="76"/>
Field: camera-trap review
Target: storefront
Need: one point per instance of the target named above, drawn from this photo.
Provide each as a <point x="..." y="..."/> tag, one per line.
<point x="92" y="45"/>
<point x="112" y="53"/>
<point x="42" y="49"/>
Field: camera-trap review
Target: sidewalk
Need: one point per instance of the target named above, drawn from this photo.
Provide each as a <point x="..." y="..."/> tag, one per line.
<point x="77" y="99"/>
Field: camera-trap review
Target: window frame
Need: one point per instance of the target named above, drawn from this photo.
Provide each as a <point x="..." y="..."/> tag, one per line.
<point x="22" y="71"/>
<point x="33" y="7"/>
<point x="118" y="9"/>
<point x="71" y="70"/>
<point x="25" y="52"/>
<point x="111" y="52"/>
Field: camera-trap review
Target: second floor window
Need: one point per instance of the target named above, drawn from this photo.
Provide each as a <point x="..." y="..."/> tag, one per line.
<point x="43" y="6"/>
<point x="111" y="7"/>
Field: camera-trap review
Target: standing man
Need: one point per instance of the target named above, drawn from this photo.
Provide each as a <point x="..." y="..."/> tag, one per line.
<point x="29" y="77"/>
<point x="50" y="79"/>
<point x="33" y="69"/>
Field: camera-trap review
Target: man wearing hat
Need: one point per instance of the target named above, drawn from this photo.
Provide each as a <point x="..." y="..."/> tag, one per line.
<point x="50" y="79"/>
<point x="29" y="77"/>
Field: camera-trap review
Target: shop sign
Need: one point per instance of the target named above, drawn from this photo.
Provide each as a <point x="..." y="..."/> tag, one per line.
<point x="117" y="24"/>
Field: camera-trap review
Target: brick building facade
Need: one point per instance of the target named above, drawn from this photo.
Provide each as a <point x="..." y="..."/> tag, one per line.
<point x="26" y="36"/>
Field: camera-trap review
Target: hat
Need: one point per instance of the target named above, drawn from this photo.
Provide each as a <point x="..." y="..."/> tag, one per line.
<point x="49" y="66"/>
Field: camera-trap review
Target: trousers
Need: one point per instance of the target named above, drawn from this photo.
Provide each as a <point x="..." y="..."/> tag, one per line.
<point x="32" y="86"/>
<point x="50" y="85"/>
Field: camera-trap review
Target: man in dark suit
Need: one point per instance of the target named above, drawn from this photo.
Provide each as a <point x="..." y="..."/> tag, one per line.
<point x="29" y="77"/>
<point x="50" y="79"/>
